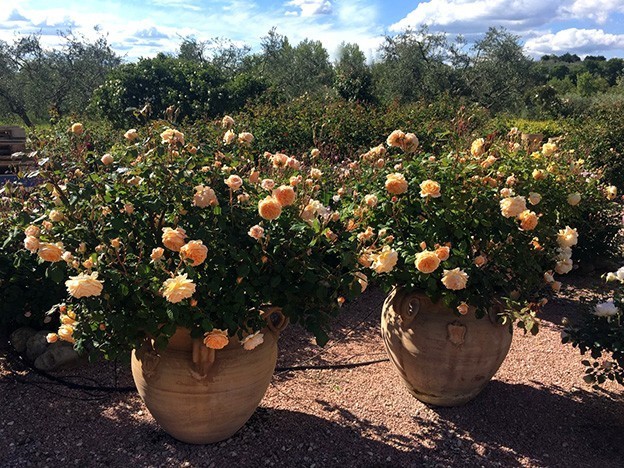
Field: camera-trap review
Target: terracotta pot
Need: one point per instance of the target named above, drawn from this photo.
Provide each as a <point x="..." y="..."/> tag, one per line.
<point x="199" y="395"/>
<point x="443" y="359"/>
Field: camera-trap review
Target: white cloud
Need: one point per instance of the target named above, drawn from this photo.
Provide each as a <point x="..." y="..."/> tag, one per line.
<point x="312" y="7"/>
<point x="596" y="10"/>
<point x="579" y="41"/>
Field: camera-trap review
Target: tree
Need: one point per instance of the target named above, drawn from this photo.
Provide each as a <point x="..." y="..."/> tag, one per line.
<point x="353" y="77"/>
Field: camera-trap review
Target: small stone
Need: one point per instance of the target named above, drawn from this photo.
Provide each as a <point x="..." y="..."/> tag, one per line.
<point x="19" y="338"/>
<point x="36" y="345"/>
<point x="59" y="355"/>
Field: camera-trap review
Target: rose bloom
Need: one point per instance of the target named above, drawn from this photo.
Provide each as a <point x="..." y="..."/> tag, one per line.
<point x="204" y="196"/>
<point x="229" y="137"/>
<point x="548" y="149"/>
<point x="534" y="198"/>
<point x="50" y="252"/>
<point x="362" y="280"/>
<point x="269" y="208"/>
<point x="279" y="160"/>
<point x="115" y="243"/>
<point x="254" y="176"/>
<point x="606" y="309"/>
<point x="257" y="232"/>
<point x="512" y="206"/>
<point x="129" y="208"/>
<point x="427" y="261"/>
<point x="539" y="174"/>
<point x="234" y="182"/>
<point x="243" y="197"/>
<point x="55" y="216"/>
<point x="511" y="180"/>
<point x="564" y="266"/>
<point x="293" y="163"/>
<point x="488" y="162"/>
<point x="463" y="308"/>
<point x="84" y="285"/>
<point x="285" y="195"/>
<point x="556" y="286"/>
<point x="574" y="199"/>
<point x="548" y="277"/>
<point x="52" y="337"/>
<point x="430" y="188"/>
<point x="506" y="192"/>
<point x="131" y="134"/>
<point x="227" y="122"/>
<point x="611" y="192"/>
<point x="66" y="333"/>
<point x="396" y="138"/>
<point x="396" y="183"/>
<point x="295" y="180"/>
<point x="173" y="239"/>
<point x="567" y="237"/>
<point x="33" y="231"/>
<point x="528" y="220"/>
<point x="172" y="136"/>
<point x="455" y="279"/>
<point x="252" y="341"/>
<point x="67" y="257"/>
<point x="77" y="128"/>
<point x="366" y="235"/>
<point x="31" y="243"/>
<point x="178" y="288"/>
<point x="245" y="138"/>
<point x="315" y="153"/>
<point x="443" y="252"/>
<point x="371" y="200"/>
<point x="195" y="251"/>
<point x="157" y="254"/>
<point x="385" y="261"/>
<point x="478" y="147"/>
<point x="410" y="143"/>
<point x="216" y="339"/>
<point x="315" y="173"/>
<point x="267" y="184"/>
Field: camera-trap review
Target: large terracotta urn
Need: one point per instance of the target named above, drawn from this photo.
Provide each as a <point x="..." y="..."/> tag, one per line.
<point x="444" y="359"/>
<point x="200" y="395"/>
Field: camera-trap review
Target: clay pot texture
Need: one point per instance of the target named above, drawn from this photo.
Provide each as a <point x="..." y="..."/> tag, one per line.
<point x="199" y="395"/>
<point x="444" y="359"/>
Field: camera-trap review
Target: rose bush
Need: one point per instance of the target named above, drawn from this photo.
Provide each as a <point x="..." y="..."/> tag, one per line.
<point x="162" y="232"/>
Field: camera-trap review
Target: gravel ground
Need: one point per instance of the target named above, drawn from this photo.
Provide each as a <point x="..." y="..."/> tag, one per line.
<point x="536" y="412"/>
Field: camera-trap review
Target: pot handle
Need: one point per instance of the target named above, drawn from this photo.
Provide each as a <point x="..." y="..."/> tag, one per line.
<point x="203" y="358"/>
<point x="407" y="304"/>
<point x="275" y="319"/>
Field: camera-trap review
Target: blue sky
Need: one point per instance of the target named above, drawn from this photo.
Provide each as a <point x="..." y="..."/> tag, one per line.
<point x="142" y="28"/>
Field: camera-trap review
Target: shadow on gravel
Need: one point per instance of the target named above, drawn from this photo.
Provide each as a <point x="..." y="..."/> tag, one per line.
<point x="543" y="425"/>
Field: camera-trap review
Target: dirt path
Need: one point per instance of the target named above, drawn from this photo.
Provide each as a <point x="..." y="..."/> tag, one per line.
<point x="536" y="412"/>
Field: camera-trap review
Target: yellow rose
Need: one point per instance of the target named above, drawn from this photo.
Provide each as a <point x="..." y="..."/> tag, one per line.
<point x="512" y="206"/>
<point x="66" y="333"/>
<point x="84" y="285"/>
<point x="173" y="239"/>
<point x="252" y="341"/>
<point x="279" y="160"/>
<point x="396" y="138"/>
<point x="315" y="153"/>
<point x="269" y="208"/>
<point x="229" y="137"/>
<point x="216" y="339"/>
<point x="267" y="184"/>
<point x="430" y="188"/>
<point x="33" y="231"/>
<point x="611" y="192"/>
<point x="528" y="220"/>
<point x="564" y="266"/>
<point x="548" y="149"/>
<point x="178" y="288"/>
<point x="385" y="261"/>
<point x="55" y="216"/>
<point x="50" y="252"/>
<point x="131" y="134"/>
<point x="362" y="280"/>
<point x="245" y="138"/>
<point x="234" y="182"/>
<point x="410" y="143"/>
<point x="396" y="183"/>
<point x="443" y="252"/>
<point x="574" y="199"/>
<point x="227" y="122"/>
<point x="488" y="162"/>
<point x="157" y="254"/>
<point x="455" y="279"/>
<point x="172" y="136"/>
<point x="539" y="174"/>
<point x="463" y="308"/>
<point x="77" y="128"/>
<point x="371" y="200"/>
<point x="204" y="196"/>
<point x="285" y="195"/>
<point x="52" y="337"/>
<point x="315" y="173"/>
<point x="478" y="147"/>
<point x="195" y="251"/>
<point x="567" y="237"/>
<point x="427" y="261"/>
<point x="31" y="243"/>
<point x="534" y="198"/>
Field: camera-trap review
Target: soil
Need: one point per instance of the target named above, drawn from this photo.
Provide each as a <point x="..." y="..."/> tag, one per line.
<point x="536" y="412"/>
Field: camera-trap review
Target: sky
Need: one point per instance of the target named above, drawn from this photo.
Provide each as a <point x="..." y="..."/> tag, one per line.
<point x="142" y="28"/>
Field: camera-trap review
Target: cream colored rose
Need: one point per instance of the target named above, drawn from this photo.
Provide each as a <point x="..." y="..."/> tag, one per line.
<point x="477" y="148"/>
<point x="252" y="341"/>
<point x="227" y="122"/>
<point x="77" y="128"/>
<point x="295" y="180"/>
<point x="454" y="279"/>
<point x="534" y="198"/>
<point x="67" y="257"/>
<point x="52" y="337"/>
<point x="548" y="149"/>
<point x="574" y="198"/>
<point x="279" y="160"/>
<point x="55" y="216"/>
<point x="611" y="192"/>
<point x="315" y="173"/>
<point x="539" y="174"/>
<point x="216" y="339"/>
<point x="371" y="200"/>
<point x="50" y="252"/>
<point x="463" y="308"/>
<point x="245" y="138"/>
<point x="243" y="198"/>
<point x="410" y="143"/>
<point x="178" y="288"/>
<point x="269" y="208"/>
<point x="157" y="254"/>
<point x="548" y="277"/>
<point x="430" y="188"/>
<point x="427" y="261"/>
<point x="293" y="163"/>
<point x="556" y="286"/>
<point x="385" y="261"/>
<point x="528" y="220"/>
<point x="512" y="206"/>
<point x="396" y="138"/>
<point x="567" y="237"/>
<point x="174" y="239"/>
<point x="229" y="137"/>
<point x="131" y="134"/>
<point x="31" y="243"/>
<point x="366" y="235"/>
<point x="172" y="136"/>
<point x="506" y="192"/>
<point x="204" y="196"/>
<point x="488" y="162"/>
<point x="254" y="176"/>
<point x="84" y="285"/>
<point x="66" y="333"/>
<point x="267" y="184"/>
<point x="285" y="195"/>
<point x="443" y="252"/>
<point x="195" y="251"/>
<point x="564" y="266"/>
<point x="257" y="232"/>
<point x="396" y="183"/>
<point x="234" y="182"/>
<point x="33" y="231"/>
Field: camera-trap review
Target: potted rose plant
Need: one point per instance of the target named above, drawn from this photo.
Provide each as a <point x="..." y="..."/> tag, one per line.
<point x="192" y="255"/>
<point x="469" y="243"/>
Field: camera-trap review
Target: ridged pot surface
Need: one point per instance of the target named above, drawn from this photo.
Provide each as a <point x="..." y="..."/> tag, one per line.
<point x="443" y="359"/>
<point x="202" y="396"/>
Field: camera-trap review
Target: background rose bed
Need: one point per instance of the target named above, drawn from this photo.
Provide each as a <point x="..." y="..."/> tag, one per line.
<point x="493" y="170"/>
